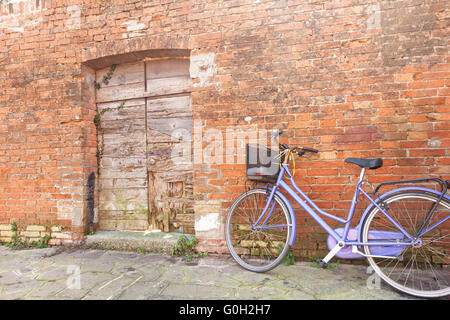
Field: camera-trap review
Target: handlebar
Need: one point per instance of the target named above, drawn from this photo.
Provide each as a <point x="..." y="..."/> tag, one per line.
<point x="310" y="150"/>
<point x="298" y="150"/>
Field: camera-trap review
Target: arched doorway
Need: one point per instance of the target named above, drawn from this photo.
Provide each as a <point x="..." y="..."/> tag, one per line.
<point x="144" y="117"/>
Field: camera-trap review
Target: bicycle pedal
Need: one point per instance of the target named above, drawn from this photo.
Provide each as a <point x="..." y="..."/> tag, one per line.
<point x="322" y="264"/>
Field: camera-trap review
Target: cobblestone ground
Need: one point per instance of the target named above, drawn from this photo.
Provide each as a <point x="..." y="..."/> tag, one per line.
<point x="61" y="273"/>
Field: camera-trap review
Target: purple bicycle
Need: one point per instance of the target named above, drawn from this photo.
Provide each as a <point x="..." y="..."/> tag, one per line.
<point x="403" y="233"/>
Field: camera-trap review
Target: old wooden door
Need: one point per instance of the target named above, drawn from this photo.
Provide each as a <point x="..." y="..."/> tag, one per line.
<point x="145" y="120"/>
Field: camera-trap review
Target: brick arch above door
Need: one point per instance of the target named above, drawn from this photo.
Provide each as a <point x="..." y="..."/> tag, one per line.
<point x="111" y="52"/>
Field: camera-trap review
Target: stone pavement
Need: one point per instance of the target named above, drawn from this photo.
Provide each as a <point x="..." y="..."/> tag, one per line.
<point x="63" y="273"/>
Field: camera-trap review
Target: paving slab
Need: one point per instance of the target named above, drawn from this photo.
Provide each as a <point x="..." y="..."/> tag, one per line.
<point x="196" y="291"/>
<point x="47" y="289"/>
<point x="86" y="273"/>
<point x="141" y="290"/>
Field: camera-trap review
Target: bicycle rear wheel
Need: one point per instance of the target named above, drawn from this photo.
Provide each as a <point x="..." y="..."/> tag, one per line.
<point x="258" y="248"/>
<point x="424" y="268"/>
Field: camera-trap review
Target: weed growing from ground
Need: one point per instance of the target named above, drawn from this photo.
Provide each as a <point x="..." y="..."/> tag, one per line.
<point x="186" y="247"/>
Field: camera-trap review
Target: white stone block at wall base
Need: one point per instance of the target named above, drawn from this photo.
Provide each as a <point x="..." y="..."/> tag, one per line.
<point x="60" y="235"/>
<point x="6" y="233"/>
<point x="30" y="234"/>
<point x="56" y="229"/>
<point x="208" y="225"/>
<point x="35" y="228"/>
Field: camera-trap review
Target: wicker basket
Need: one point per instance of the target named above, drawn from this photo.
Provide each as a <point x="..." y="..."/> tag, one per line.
<point x="263" y="164"/>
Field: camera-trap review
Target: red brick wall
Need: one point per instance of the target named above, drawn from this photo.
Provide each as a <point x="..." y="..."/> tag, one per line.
<point x="350" y="78"/>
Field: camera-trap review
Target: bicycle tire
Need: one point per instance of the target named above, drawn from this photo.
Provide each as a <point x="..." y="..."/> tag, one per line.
<point x="245" y="253"/>
<point x="426" y="271"/>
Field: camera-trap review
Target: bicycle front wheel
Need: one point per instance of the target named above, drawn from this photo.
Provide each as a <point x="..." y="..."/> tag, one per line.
<point x="261" y="247"/>
<point x="422" y="269"/>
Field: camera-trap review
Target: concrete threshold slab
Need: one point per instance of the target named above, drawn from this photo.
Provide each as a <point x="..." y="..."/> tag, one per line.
<point x="137" y="241"/>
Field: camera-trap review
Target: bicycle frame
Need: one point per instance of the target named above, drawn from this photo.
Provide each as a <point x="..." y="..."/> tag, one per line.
<point x="313" y="210"/>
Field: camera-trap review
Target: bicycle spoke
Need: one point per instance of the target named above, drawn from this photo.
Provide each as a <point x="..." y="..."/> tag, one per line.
<point x="250" y="212"/>
<point x="436" y="278"/>
<point x="406" y="266"/>
<point x="434" y="240"/>
<point x="248" y="235"/>
<point x="437" y="252"/>
<point x="409" y="218"/>
<point x="410" y="269"/>
<point x="262" y="248"/>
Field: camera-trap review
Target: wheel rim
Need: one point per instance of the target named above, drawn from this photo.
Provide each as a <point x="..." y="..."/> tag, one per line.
<point x="257" y="249"/>
<point x="424" y="270"/>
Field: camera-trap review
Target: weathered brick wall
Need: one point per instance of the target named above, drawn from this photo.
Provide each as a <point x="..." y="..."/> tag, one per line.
<point x="350" y="78"/>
